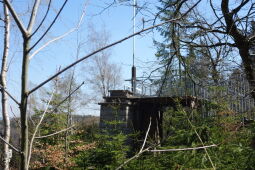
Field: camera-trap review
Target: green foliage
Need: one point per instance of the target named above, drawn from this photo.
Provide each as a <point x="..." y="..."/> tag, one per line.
<point x="108" y="149"/>
<point x="111" y="146"/>
<point x="52" y="123"/>
<point x="234" y="149"/>
<point x="109" y="152"/>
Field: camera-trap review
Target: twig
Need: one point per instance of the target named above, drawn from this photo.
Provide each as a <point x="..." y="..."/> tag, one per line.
<point x="55" y="133"/>
<point x="166" y="150"/>
<point x="130" y="159"/>
<point x="36" y="129"/>
<point x="61" y="102"/>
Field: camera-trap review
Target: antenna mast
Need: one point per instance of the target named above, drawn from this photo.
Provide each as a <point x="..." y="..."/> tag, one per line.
<point x="134" y="13"/>
<point x="133" y="79"/>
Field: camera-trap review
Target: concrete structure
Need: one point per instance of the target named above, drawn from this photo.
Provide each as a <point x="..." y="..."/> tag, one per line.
<point x="116" y="108"/>
<point x="133" y="113"/>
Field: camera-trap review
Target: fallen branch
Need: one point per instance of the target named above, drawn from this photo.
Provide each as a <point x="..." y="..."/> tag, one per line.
<point x="163" y="150"/>
<point x="182" y="149"/>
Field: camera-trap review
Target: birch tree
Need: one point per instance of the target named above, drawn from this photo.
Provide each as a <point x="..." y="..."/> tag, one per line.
<point x="27" y="34"/>
<point x="104" y="75"/>
<point x="5" y="114"/>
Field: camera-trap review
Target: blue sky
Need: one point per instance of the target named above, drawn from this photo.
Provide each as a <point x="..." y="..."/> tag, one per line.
<point x="117" y="20"/>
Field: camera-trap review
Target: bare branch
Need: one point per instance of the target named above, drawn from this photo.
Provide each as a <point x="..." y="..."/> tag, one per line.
<point x="231" y="27"/>
<point x="42" y="117"/>
<point x="46" y="14"/>
<point x="51" y="41"/>
<point x="146" y="136"/>
<point x="182" y="149"/>
<point x="203" y="28"/>
<point x="141" y="150"/>
<point x="37" y="127"/>
<point x="33" y="16"/>
<point x="211" y="44"/>
<point x="16" y="18"/>
<point x="13" y="147"/>
<point x="67" y="97"/>
<point x="132" y="158"/>
<point x="15" y="117"/>
<point x="214" y="12"/>
<point x="59" y="37"/>
<point x="165" y="75"/>
<point x="237" y="9"/>
<point x="48" y="29"/>
<point x="1" y="87"/>
<point x="108" y="46"/>
<point x="159" y="150"/>
<point x="55" y="133"/>
<point x="105" y="8"/>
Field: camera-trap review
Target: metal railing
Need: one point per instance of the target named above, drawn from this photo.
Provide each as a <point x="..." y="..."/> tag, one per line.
<point x="233" y="92"/>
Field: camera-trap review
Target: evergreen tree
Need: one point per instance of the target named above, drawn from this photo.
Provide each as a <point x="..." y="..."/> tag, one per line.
<point x="170" y="52"/>
<point x="185" y="63"/>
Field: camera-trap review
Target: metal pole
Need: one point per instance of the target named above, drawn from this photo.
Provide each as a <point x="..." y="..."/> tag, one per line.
<point x="133" y="80"/>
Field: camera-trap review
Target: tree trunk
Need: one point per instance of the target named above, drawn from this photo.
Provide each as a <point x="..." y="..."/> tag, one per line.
<point x="23" y="105"/>
<point x="6" y="119"/>
<point x="249" y="67"/>
<point x="68" y="117"/>
<point x="242" y="43"/>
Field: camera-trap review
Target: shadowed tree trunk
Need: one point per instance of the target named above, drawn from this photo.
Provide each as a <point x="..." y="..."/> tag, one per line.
<point x="243" y="42"/>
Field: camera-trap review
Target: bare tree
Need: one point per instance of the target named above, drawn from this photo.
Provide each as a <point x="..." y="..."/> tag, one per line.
<point x="103" y="74"/>
<point x="27" y="34"/>
<point x="6" y="119"/>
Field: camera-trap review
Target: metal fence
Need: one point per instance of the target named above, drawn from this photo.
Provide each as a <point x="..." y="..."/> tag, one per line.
<point x="233" y="92"/>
